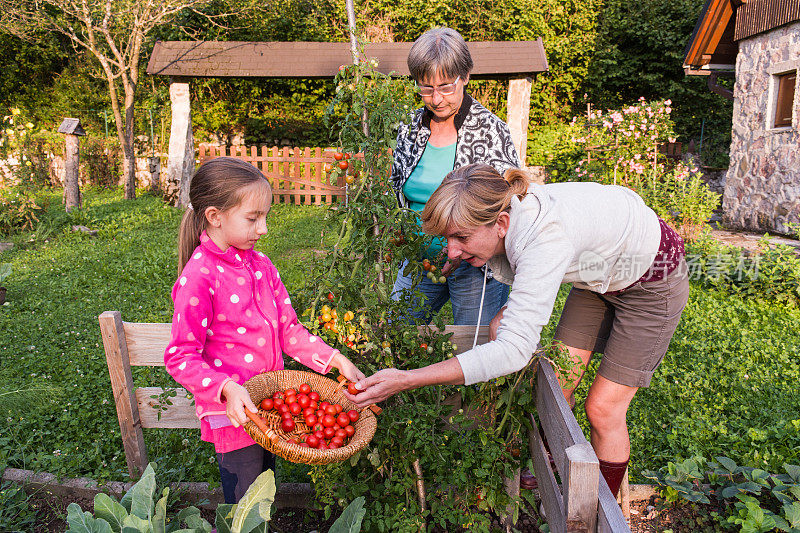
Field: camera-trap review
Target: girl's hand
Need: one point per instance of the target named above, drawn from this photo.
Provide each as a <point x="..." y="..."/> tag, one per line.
<point x="346" y="368"/>
<point x="237" y="399"/>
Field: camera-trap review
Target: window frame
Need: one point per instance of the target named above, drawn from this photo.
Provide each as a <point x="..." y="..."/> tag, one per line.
<point x="785" y="92"/>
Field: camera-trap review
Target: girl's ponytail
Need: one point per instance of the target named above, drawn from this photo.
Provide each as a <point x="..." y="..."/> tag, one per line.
<point x="188" y="237"/>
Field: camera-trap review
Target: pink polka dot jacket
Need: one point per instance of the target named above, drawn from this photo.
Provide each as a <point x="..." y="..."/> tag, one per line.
<point x="233" y="319"/>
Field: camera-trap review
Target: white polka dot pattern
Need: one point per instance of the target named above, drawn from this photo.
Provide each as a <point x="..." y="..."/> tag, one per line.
<point x="248" y="358"/>
<point x="217" y="363"/>
<point x="183" y="281"/>
<point x="241" y="330"/>
<point x="234" y="299"/>
<point x="206" y="382"/>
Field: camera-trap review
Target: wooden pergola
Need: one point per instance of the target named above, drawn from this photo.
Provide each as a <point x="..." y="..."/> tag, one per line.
<point x="517" y="61"/>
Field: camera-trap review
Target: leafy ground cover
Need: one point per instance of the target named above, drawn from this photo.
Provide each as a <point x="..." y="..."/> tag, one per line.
<point x="727" y="386"/>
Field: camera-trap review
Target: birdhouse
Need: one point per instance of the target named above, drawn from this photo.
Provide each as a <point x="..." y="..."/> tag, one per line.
<point x="72" y="126"/>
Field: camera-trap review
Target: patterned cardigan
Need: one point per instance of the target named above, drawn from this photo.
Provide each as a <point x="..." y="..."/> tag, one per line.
<point x="482" y="138"/>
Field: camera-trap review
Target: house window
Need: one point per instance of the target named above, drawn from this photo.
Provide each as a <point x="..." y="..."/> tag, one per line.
<point x="785" y="101"/>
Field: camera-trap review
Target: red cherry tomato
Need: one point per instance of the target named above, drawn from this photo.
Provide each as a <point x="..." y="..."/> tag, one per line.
<point x="336" y="443"/>
<point x="295" y="409"/>
<point x="305" y="388"/>
<point x="350" y="430"/>
<point x="328" y="432"/>
<point x="423" y="346"/>
<point x="343" y="165"/>
<point x="308" y="411"/>
<point x="330" y="410"/>
<point x="320" y="413"/>
<point x="286" y="415"/>
<point x="328" y="421"/>
<point x="330" y="296"/>
<point x="310" y="420"/>
<point x="314" y="396"/>
<point x="282" y="408"/>
<point x="351" y="388"/>
<point x="338" y="156"/>
<point x="341" y="433"/>
<point x="318" y="433"/>
<point x="312" y="441"/>
<point x="290" y="392"/>
<point x="287" y="425"/>
<point x="304" y="445"/>
<point x="352" y="414"/>
<point x="303" y="401"/>
<point x="347" y="155"/>
<point x="338" y="408"/>
<point x="267" y="404"/>
<point x="294" y="441"/>
<point x="324" y="404"/>
<point x="322" y="446"/>
<point x="277" y="395"/>
<point x="318" y="427"/>
<point x="343" y="420"/>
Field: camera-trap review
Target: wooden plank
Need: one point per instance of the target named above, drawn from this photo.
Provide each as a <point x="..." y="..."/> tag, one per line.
<point x="322" y="59"/>
<point x="298" y="198"/>
<point x="580" y="488"/>
<point x="181" y="414"/>
<point x="624" y="496"/>
<point x="549" y="492"/>
<point x="119" y="371"/>
<point x="609" y="516"/>
<point x="146" y="342"/>
<point x="559" y="424"/>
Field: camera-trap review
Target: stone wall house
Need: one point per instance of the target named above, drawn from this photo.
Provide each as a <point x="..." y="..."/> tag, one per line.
<point x="759" y="42"/>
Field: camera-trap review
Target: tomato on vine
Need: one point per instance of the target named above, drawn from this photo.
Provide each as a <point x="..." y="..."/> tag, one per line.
<point x="338" y="156"/>
<point x="343" y="165"/>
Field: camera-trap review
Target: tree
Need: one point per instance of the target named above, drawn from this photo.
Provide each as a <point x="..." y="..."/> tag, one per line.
<point x="114" y="32"/>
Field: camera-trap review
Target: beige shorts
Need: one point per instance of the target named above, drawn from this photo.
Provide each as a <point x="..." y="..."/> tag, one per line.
<point x="631" y="329"/>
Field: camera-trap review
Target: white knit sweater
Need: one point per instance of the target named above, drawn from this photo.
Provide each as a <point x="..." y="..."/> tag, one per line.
<point x="598" y="237"/>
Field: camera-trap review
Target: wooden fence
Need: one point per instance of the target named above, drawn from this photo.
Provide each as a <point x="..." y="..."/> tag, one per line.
<point x="297" y="175"/>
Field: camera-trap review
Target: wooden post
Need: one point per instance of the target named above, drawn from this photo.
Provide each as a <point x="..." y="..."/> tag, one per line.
<point x="72" y="129"/>
<point x="180" y="160"/>
<point x="581" y="487"/>
<point x="519" y="110"/>
<point x="72" y="190"/>
<point x="119" y="369"/>
<point x="154" y="164"/>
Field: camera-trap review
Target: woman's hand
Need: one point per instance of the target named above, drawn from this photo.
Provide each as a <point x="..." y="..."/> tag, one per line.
<point x="495" y="323"/>
<point x="237" y="399"/>
<point x="379" y="386"/>
<point x="346" y="367"/>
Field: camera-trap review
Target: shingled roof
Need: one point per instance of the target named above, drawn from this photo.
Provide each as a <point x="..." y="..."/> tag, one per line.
<point x="322" y="60"/>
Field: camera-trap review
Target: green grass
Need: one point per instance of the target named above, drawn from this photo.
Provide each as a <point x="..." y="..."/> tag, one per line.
<point x="729" y="384"/>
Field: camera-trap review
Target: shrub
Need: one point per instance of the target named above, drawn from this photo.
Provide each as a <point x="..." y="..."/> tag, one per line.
<point x="551" y="146"/>
<point x="19" y="211"/>
<point x="680" y="198"/>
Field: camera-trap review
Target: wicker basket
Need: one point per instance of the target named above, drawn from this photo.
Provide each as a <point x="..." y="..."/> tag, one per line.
<point x="264" y="385"/>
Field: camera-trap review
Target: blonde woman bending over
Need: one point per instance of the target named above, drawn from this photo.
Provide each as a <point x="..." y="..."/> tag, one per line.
<point x="629" y="287"/>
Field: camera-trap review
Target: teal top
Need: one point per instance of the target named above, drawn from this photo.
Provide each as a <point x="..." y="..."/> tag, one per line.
<point x="435" y="163"/>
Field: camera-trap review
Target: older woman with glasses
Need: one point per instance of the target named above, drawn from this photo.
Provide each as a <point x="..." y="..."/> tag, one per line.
<point x="450" y="131"/>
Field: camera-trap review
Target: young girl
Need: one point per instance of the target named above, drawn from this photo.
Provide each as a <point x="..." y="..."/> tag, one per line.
<point x="233" y="317"/>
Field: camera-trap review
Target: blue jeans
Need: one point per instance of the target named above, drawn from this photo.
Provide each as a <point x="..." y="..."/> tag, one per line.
<point x="463" y="289"/>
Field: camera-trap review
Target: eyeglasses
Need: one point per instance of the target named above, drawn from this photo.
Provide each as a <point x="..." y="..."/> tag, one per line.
<point x="444" y="90"/>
